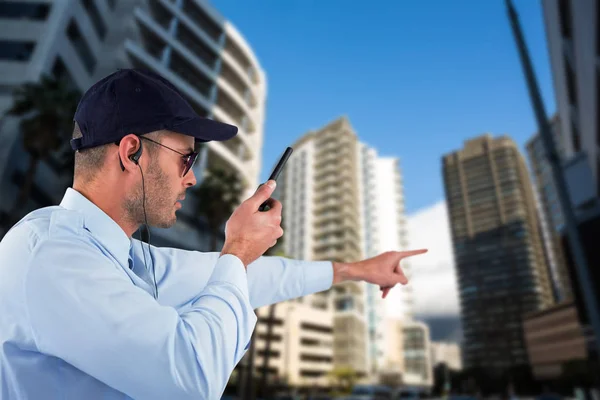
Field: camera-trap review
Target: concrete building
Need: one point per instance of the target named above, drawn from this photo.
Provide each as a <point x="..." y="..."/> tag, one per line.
<point x="418" y="368"/>
<point x="186" y="41"/>
<point x="384" y="228"/>
<point x="393" y="369"/>
<point x="446" y="353"/>
<point x="552" y="220"/>
<point x="574" y="45"/>
<point x="554" y="336"/>
<point x="498" y="250"/>
<point x="343" y="202"/>
<point x="301" y="350"/>
<point x="408" y="354"/>
<point x="321" y="192"/>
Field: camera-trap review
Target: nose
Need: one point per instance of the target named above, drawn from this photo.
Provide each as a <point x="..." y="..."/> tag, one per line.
<point x="190" y="178"/>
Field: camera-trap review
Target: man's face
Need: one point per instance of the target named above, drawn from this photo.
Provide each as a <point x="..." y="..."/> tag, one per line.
<point x="164" y="184"/>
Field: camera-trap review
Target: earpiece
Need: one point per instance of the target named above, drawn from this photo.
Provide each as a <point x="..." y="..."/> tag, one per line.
<point x="135" y="157"/>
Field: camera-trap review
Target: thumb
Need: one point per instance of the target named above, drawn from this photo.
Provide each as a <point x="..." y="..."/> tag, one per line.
<point x="263" y="193"/>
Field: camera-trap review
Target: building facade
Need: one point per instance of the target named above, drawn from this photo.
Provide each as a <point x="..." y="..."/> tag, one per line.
<point x="554" y="337"/>
<point x="498" y="249"/>
<point x="574" y="45"/>
<point x="384" y="228"/>
<point x="552" y="219"/>
<point x="301" y="349"/>
<point x="186" y="41"/>
<point x="321" y="218"/>
<point x="446" y="353"/>
<point x="418" y="368"/>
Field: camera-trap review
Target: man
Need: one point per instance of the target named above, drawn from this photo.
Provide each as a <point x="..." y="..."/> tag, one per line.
<point x="81" y="314"/>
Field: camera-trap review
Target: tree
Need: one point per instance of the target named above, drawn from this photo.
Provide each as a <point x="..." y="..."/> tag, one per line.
<point x="217" y="197"/>
<point x="47" y="108"/>
<point x="344" y="378"/>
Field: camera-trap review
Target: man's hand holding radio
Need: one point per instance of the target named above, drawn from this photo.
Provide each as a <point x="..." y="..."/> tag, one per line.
<point x="249" y="232"/>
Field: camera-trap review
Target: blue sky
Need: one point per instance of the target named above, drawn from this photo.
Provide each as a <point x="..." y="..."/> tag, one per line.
<point x="415" y="78"/>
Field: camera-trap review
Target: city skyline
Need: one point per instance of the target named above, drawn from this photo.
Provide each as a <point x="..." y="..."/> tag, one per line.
<point x="399" y="98"/>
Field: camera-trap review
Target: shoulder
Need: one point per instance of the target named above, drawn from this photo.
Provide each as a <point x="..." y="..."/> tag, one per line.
<point x="50" y="227"/>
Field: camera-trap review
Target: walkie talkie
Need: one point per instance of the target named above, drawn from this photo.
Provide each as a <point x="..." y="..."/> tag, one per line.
<point x="275" y="174"/>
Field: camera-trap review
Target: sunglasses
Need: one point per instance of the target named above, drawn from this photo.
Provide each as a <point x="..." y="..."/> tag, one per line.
<point x="188" y="159"/>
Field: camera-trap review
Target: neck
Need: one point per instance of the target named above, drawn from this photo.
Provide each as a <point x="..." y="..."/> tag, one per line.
<point x="110" y="207"/>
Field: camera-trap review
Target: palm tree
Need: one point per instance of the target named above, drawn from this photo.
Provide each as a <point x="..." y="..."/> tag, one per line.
<point x="217" y="197"/>
<point x="343" y="377"/>
<point x="47" y="108"/>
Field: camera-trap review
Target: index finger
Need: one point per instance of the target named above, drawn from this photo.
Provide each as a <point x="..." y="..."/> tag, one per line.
<point x="409" y="253"/>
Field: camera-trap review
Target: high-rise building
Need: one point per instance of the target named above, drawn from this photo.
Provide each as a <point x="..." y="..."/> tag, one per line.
<point x="384" y="229"/>
<point x="552" y="219"/>
<point x="186" y="41"/>
<point x="446" y="353"/>
<point x="320" y="189"/>
<point x="574" y="45"/>
<point x="498" y="249"/>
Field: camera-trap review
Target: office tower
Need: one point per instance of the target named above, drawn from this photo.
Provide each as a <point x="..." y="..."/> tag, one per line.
<point x="321" y="218"/>
<point x="550" y="208"/>
<point x="418" y="369"/>
<point x="446" y="353"/>
<point x="384" y="229"/>
<point x="186" y="41"/>
<point x="498" y="252"/>
<point x="573" y="44"/>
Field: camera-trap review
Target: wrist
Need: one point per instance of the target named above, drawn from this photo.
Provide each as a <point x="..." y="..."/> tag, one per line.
<point x="228" y="249"/>
<point x="344" y="272"/>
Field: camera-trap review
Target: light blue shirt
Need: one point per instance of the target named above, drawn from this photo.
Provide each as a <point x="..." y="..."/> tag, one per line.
<point x="76" y="322"/>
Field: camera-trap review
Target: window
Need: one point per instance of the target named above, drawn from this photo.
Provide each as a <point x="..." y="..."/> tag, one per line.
<point x="317" y="328"/>
<point x="576" y="137"/>
<point x="203" y="21"/>
<point x="565" y="17"/>
<point x="315" y="358"/>
<point x="16" y="50"/>
<point x="571" y="82"/>
<point x="94" y="14"/>
<point x="21" y="10"/>
<point x="81" y="47"/>
<point x="598" y="95"/>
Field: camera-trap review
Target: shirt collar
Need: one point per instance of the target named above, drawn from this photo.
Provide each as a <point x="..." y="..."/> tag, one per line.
<point x="102" y="227"/>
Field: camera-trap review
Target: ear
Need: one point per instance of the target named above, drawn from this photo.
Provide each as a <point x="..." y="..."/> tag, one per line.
<point x="130" y="150"/>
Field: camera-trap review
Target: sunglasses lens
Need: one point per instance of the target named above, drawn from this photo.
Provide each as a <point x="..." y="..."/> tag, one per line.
<point x="190" y="163"/>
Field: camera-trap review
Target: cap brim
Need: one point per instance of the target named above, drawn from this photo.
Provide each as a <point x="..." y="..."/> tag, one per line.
<point x="206" y="130"/>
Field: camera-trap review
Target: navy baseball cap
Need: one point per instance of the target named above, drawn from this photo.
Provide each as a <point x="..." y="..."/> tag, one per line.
<point x="139" y="101"/>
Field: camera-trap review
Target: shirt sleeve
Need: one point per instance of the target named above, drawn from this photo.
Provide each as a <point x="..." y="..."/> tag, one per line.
<point x="181" y="274"/>
<point x="273" y="279"/>
<point x="86" y="311"/>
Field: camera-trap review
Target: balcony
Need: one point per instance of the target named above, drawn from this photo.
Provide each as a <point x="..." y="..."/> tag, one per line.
<point x="202" y="20"/>
<point x="197" y="47"/>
